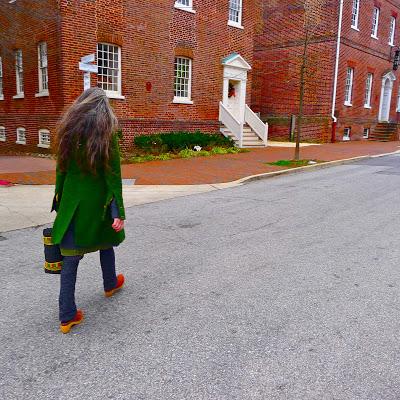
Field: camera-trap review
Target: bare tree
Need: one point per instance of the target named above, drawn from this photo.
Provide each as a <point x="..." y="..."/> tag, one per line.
<point x="312" y="12"/>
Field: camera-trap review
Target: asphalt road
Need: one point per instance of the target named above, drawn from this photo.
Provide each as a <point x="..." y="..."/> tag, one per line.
<point x="287" y="288"/>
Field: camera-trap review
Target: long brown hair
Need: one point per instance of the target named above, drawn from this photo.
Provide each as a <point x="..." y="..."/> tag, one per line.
<point x="87" y="125"/>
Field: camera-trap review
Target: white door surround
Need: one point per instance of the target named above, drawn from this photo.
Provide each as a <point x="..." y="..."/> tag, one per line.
<point x="234" y="87"/>
<point x="386" y="96"/>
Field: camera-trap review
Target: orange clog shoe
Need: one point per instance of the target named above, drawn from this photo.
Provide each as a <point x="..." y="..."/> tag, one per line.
<point x="65" y="327"/>
<point x="120" y="284"/>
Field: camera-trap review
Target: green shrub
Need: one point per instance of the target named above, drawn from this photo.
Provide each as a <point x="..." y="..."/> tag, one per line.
<point x="218" y="150"/>
<point x="178" y="141"/>
<point x="186" y="153"/>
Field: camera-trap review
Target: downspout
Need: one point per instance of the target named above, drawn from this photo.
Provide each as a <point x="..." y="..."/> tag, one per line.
<point x="335" y="81"/>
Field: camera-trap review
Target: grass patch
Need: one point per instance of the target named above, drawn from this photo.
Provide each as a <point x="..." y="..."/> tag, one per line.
<point x="294" y="163"/>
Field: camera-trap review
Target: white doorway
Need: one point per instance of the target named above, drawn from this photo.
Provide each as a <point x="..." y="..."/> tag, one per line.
<point x="234" y="98"/>
<point x="235" y="85"/>
<point x="386" y="96"/>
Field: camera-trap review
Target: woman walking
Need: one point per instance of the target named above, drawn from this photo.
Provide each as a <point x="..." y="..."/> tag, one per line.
<point x="88" y="197"/>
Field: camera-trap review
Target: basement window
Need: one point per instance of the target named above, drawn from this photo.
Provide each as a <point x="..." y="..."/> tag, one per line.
<point x="346" y="134"/>
<point x="3" y="137"/>
<point x="44" y="138"/>
<point x="366" y="133"/>
<point x="21" y="136"/>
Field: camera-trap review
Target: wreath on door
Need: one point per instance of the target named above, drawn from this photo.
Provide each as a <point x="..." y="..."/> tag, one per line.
<point x="231" y="90"/>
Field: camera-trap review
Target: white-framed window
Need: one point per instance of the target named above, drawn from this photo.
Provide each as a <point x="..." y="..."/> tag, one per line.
<point x="355" y="14"/>
<point x="346" y="134"/>
<point x="3" y="137"/>
<point x="398" y="101"/>
<point x="19" y="73"/>
<point x="21" y="136"/>
<point x="375" y="22"/>
<point x="44" y="138"/>
<point x="183" y="80"/>
<point x="1" y="80"/>
<point x="392" y="31"/>
<point x="185" y="5"/>
<point x="348" y="92"/>
<point x="366" y="133"/>
<point x="368" y="90"/>
<point x="109" y="74"/>
<point x="235" y="13"/>
<point x="43" y="70"/>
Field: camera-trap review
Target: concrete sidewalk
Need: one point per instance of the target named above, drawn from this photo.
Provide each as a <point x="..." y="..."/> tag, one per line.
<point x="201" y="170"/>
<point x="24" y="206"/>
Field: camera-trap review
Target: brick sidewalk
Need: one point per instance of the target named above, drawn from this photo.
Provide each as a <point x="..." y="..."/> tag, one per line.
<point x="202" y="170"/>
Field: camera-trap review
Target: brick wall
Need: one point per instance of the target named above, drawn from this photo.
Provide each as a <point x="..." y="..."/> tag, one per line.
<point x="366" y="55"/>
<point x="279" y="50"/>
<point x="277" y="59"/>
<point x="22" y="26"/>
<point x="150" y="35"/>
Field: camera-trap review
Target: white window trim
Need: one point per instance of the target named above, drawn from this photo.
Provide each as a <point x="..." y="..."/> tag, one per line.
<point x="398" y="102"/>
<point x="374" y="34"/>
<point x="20" y="141"/>
<point x="109" y="93"/>
<point x="182" y="100"/>
<point x="45" y="93"/>
<point x="235" y="25"/>
<point x="348" y="102"/>
<point x="392" y="31"/>
<point x="239" y="23"/>
<point x="346" y="138"/>
<point x="3" y="139"/>
<point x="188" y="99"/>
<point x="42" y="92"/>
<point x="43" y="145"/>
<point x="367" y="135"/>
<point x="19" y="95"/>
<point x="355" y="27"/>
<point x="182" y="7"/>
<point x="2" y="79"/>
<point x="368" y="104"/>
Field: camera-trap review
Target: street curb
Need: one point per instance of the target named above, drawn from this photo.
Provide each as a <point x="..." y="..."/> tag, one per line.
<point x="328" y="164"/>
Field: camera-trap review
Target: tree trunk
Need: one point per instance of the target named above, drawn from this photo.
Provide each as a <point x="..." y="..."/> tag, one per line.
<point x="302" y="91"/>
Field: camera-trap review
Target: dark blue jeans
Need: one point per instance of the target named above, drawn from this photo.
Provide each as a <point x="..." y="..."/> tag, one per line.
<point x="69" y="271"/>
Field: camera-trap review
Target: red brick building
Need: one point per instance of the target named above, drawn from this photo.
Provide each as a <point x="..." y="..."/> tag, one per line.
<point x="351" y="92"/>
<point x="166" y="65"/>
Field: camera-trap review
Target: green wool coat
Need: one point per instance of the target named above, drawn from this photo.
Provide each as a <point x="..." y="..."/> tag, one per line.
<point x="85" y="198"/>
